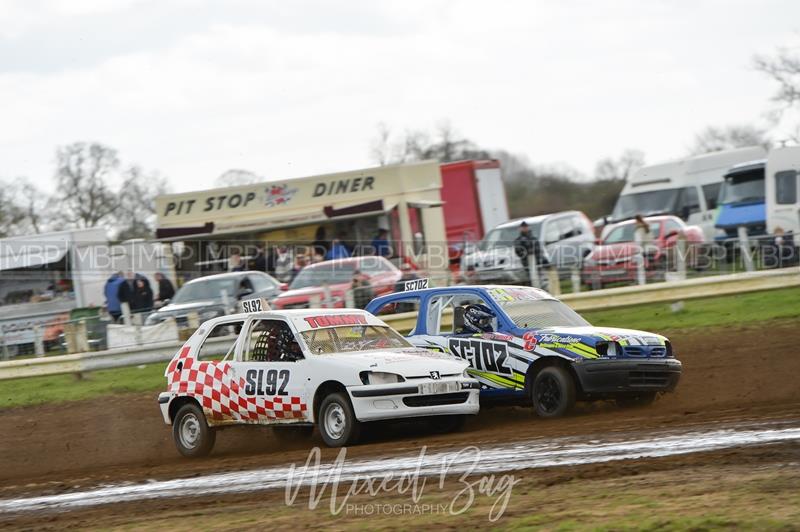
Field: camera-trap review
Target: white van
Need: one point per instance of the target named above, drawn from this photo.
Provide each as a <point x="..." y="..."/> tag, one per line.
<point x="687" y="188"/>
<point x="781" y="190"/>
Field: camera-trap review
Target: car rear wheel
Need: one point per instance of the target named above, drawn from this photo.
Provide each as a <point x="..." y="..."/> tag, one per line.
<point x="338" y="425"/>
<point x="193" y="437"/>
<point x="638" y="399"/>
<point x="553" y="392"/>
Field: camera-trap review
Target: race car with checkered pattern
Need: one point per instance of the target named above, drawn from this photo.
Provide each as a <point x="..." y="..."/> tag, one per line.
<point x="294" y="369"/>
<point x="533" y="348"/>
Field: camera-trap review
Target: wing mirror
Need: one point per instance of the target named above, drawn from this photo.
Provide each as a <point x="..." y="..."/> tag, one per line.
<point x="283" y="287"/>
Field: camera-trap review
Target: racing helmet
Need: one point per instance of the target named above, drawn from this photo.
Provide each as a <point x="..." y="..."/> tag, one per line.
<point x="287" y="346"/>
<point x="478" y="318"/>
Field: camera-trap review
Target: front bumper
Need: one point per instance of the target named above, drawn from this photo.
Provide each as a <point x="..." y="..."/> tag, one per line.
<point x="405" y="400"/>
<point x="608" y="376"/>
<point x="164" y="399"/>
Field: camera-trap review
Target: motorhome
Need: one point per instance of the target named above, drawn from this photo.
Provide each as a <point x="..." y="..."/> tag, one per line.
<point x="687" y="188"/>
<point x="781" y="190"/>
<point x="745" y="202"/>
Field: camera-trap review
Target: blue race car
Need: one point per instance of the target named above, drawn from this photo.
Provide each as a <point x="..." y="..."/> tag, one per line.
<point x="524" y="344"/>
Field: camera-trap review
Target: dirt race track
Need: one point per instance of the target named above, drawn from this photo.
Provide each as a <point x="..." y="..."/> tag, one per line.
<point x="741" y="375"/>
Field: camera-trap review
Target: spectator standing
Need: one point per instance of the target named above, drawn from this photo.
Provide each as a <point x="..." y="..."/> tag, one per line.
<point x="337" y="250"/>
<point x="259" y="260"/>
<point x="112" y="293"/>
<point x="283" y="263"/>
<point x="235" y="262"/>
<point x="300" y="262"/>
<point x="165" y="288"/>
<point x="526" y="246"/>
<point x="142" y="295"/>
<point x="362" y="289"/>
<point x="380" y="244"/>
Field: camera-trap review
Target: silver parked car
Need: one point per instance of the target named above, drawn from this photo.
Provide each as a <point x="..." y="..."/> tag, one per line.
<point x="216" y="295"/>
<point x="567" y="236"/>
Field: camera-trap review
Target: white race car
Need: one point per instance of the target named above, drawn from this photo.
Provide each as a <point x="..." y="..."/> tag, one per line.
<point x="296" y="368"/>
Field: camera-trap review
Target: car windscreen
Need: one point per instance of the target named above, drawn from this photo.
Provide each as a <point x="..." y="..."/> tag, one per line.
<point x="644" y="203"/>
<point x="204" y="290"/>
<point x="621" y="233"/>
<point x="504" y="236"/>
<point x="541" y="314"/>
<point x="353" y="339"/>
<point x="742" y="189"/>
<point x="324" y="273"/>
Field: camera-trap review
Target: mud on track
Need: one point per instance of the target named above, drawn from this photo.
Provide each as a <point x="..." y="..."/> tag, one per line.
<point x="744" y="373"/>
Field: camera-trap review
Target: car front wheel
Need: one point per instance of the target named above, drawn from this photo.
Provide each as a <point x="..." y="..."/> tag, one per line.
<point x="338" y="425"/>
<point x="553" y="392"/>
<point x="193" y="437"/>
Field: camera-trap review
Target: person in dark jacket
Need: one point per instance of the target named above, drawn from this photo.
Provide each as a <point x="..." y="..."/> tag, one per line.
<point x="380" y="244"/>
<point x="526" y="246"/>
<point x="165" y="288"/>
<point x="142" y="295"/>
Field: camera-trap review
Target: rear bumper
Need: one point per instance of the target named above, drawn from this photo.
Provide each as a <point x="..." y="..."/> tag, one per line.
<point x="609" y="376"/>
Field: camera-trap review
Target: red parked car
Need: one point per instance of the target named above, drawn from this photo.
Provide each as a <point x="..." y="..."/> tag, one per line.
<point x="338" y="276"/>
<point x="614" y="258"/>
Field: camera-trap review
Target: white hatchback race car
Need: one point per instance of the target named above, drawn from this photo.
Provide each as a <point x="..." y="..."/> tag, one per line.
<point x="296" y="368"/>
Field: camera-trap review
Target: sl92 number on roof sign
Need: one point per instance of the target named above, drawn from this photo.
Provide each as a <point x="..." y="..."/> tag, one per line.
<point x="254" y="305"/>
<point x="415" y="284"/>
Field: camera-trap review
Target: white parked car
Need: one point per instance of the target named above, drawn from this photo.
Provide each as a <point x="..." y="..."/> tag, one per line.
<point x="293" y="369"/>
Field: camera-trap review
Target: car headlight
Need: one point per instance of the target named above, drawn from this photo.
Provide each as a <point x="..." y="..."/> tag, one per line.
<point x="380" y="377"/>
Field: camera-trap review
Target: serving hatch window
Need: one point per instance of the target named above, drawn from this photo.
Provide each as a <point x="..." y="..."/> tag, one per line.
<point x="353" y="339"/>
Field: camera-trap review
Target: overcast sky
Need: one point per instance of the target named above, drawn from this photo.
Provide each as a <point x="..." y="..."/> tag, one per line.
<point x="289" y="88"/>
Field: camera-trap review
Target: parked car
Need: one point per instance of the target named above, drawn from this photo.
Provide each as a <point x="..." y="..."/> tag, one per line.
<point x="333" y="278"/>
<point x="216" y="295"/>
<point x="524" y="345"/>
<point x="614" y="258"/>
<point x="296" y="369"/>
<point x="567" y="237"/>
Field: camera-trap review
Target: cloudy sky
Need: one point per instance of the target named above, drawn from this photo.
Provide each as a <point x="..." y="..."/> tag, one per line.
<point x="288" y="88"/>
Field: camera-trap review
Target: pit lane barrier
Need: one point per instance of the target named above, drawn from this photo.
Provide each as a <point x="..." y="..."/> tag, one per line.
<point x="664" y="292"/>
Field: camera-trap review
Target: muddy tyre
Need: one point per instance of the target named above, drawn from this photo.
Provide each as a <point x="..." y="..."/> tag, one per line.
<point x="634" y="400"/>
<point x="193" y="437"/>
<point x="338" y="425"/>
<point x="553" y="392"/>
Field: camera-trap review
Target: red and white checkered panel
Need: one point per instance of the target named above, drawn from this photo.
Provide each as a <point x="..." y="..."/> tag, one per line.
<point x="222" y="396"/>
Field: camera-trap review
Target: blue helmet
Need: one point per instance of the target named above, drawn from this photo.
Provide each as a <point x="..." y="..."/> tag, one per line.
<point x="478" y="318"/>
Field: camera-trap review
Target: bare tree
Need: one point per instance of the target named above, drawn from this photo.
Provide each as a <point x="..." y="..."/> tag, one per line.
<point x="621" y="167"/>
<point x="12" y="216"/>
<point x="83" y="196"/>
<point x="381" y="147"/>
<point x="728" y="137"/>
<point x="33" y="203"/>
<point x="237" y="177"/>
<point x="784" y="68"/>
<point x="137" y="197"/>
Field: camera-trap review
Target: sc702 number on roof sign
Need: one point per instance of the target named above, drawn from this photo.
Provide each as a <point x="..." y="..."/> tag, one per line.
<point x="415" y="284"/>
<point x="254" y="305"/>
